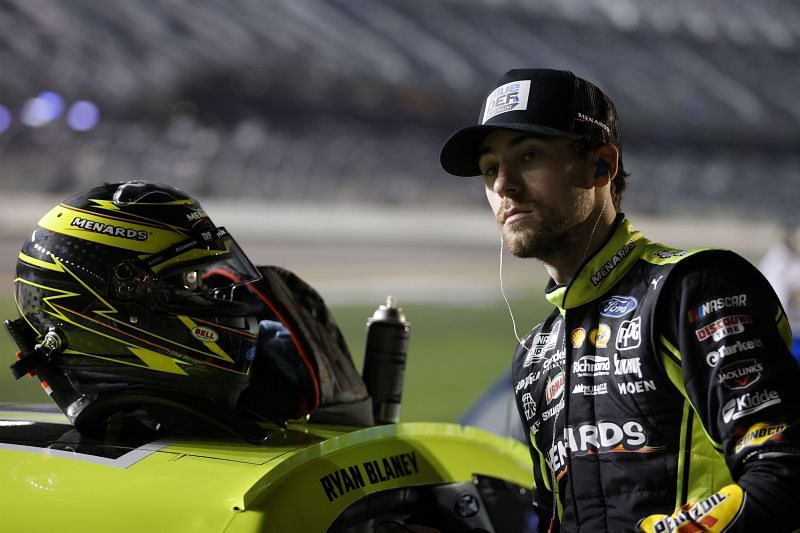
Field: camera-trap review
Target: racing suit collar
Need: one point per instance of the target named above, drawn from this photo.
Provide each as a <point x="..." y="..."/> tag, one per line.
<point x="602" y="270"/>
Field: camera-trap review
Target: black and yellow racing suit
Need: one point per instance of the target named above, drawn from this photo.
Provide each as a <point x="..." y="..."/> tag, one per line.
<point x="661" y="393"/>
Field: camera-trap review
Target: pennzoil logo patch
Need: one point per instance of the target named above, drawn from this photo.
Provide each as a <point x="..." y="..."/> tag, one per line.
<point x="110" y="229"/>
<point x="713" y="514"/>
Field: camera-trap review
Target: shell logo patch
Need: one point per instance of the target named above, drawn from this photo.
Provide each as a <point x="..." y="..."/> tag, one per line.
<point x="600" y="336"/>
<point x="578" y="336"/>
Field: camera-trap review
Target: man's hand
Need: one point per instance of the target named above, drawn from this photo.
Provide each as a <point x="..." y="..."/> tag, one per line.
<point x="713" y="514"/>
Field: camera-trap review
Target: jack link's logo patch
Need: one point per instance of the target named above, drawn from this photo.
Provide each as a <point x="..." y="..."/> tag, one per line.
<point x="512" y="96"/>
<point x="740" y="374"/>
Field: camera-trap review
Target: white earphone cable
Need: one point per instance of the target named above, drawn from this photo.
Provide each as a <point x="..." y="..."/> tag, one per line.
<point x="503" y="292"/>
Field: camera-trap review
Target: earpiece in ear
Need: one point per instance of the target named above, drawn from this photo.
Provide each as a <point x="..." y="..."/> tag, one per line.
<point x="603" y="168"/>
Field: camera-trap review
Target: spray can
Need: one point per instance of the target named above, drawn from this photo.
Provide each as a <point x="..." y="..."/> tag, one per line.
<point x="385" y="360"/>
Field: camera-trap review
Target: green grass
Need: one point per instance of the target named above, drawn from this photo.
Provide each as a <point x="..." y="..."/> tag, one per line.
<point x="454" y="353"/>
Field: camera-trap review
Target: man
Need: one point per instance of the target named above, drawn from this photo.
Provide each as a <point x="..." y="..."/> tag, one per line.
<point x="659" y="395"/>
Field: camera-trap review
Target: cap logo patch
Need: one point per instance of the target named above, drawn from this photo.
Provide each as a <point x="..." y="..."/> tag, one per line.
<point x="512" y="96"/>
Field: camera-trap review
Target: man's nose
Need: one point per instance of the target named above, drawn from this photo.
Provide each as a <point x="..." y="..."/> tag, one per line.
<point x="506" y="182"/>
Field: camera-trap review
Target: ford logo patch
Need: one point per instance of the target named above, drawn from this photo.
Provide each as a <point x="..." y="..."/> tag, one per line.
<point x="618" y="306"/>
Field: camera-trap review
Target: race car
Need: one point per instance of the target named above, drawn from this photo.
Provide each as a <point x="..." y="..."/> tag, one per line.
<point x="304" y="478"/>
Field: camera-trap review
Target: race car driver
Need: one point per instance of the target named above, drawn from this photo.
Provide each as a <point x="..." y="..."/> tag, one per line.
<point x="660" y="393"/>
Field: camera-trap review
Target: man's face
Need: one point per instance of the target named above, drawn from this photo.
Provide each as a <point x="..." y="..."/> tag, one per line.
<point x="539" y="190"/>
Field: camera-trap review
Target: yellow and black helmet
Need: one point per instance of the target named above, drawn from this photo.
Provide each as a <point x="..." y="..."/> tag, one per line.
<point x="130" y="291"/>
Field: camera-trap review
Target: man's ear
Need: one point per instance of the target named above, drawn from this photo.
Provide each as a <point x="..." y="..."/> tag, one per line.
<point x="606" y="160"/>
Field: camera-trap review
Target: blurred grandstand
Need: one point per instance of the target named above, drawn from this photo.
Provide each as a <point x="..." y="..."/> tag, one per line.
<point x="350" y="100"/>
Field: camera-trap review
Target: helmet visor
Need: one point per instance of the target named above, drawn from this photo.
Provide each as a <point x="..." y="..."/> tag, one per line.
<point x="201" y="274"/>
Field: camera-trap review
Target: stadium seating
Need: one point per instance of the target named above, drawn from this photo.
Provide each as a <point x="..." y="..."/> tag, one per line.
<point x="351" y="99"/>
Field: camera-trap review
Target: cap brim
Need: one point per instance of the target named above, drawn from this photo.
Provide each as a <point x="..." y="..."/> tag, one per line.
<point x="459" y="155"/>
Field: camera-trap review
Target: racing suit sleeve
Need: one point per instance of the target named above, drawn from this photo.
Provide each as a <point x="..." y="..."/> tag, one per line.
<point x="542" y="493"/>
<point x="723" y="327"/>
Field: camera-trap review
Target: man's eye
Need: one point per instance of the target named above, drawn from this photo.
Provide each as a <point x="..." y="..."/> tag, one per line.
<point x="489" y="173"/>
<point x="529" y="156"/>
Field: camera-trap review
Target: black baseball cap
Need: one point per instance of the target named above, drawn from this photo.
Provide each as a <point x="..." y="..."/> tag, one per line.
<point x="543" y="101"/>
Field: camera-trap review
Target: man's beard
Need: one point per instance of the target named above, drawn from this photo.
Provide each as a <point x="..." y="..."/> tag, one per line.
<point x="546" y="233"/>
<point x="540" y="240"/>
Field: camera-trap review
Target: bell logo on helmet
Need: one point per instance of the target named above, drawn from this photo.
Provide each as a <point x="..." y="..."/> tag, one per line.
<point x="205" y="334"/>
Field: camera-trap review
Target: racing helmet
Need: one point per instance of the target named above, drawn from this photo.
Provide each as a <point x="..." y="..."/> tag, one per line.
<point x="129" y="296"/>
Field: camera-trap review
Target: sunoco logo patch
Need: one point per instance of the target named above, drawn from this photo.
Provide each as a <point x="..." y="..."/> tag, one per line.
<point x="758" y="434"/>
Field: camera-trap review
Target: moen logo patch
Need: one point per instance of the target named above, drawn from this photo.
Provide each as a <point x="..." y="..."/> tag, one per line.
<point x="759" y="434"/>
<point x="205" y="334"/>
<point x="110" y="229"/>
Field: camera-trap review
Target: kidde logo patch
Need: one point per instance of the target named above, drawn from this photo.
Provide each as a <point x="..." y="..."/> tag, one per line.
<point x="618" y="306"/>
<point x="749" y="403"/>
<point x="724" y="327"/>
<point x="758" y="434"/>
<point x="205" y="334"/>
<point x="740" y="375"/>
<point x="554" y="387"/>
